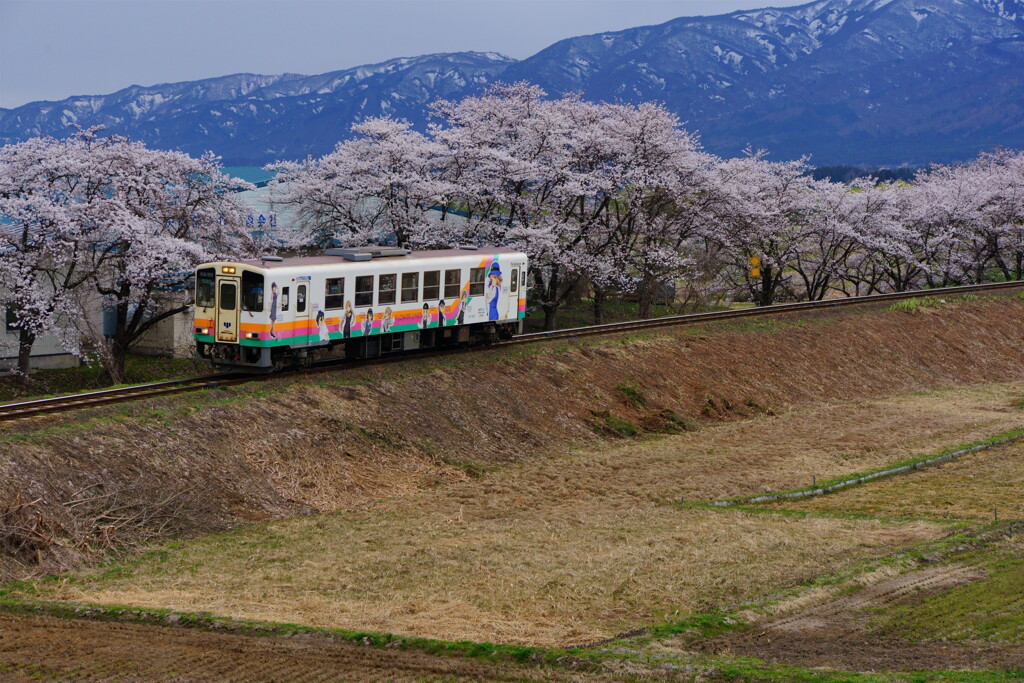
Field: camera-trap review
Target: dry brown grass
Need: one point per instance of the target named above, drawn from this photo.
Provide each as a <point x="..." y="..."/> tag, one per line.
<point x="784" y="451"/>
<point x="969" y="488"/>
<point x="336" y="442"/>
<point x="565" y="574"/>
<point x="574" y="548"/>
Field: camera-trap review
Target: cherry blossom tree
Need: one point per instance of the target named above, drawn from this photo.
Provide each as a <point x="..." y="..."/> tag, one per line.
<point x="996" y="181"/>
<point x="106" y="217"/>
<point x="165" y="213"/>
<point x="594" y="193"/>
<point x="663" y="197"/>
<point x="381" y="187"/>
<point x="42" y="216"/>
<point x="762" y="212"/>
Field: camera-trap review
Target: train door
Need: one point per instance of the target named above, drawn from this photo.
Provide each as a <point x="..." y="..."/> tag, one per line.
<point x="227" y="309"/>
<point x="516" y="289"/>
<point x="302" y="311"/>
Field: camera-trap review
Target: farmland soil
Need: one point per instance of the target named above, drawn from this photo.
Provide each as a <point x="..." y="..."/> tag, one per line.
<point x="36" y="648"/>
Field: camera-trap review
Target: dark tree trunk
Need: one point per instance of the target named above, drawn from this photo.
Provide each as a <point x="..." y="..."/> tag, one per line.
<point x="550" y="311"/>
<point x="116" y="361"/>
<point x="645" y="298"/>
<point x="600" y="299"/>
<point x="765" y="293"/>
<point x="26" y="340"/>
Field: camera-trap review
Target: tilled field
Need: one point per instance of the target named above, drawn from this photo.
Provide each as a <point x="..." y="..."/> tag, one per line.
<point x="47" y="648"/>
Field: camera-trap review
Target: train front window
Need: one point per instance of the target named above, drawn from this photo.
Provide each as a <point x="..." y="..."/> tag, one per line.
<point x="227" y="296"/>
<point x="364" y="290"/>
<point x="206" y="287"/>
<point x="252" y="292"/>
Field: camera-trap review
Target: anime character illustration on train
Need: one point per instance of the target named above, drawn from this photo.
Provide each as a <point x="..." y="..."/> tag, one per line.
<point x="493" y="292"/>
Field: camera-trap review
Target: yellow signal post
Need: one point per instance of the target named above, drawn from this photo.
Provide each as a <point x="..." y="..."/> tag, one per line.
<point x="755" y="262"/>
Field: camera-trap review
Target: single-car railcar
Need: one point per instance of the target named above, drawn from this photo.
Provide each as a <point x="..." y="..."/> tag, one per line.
<point x="273" y="312"/>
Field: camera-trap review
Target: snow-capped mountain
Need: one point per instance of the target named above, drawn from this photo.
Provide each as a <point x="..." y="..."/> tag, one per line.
<point x="846" y="81"/>
<point x="252" y="119"/>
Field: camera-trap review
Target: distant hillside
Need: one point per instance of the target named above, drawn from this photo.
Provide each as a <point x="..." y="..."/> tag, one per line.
<point x="862" y="82"/>
<point x="250" y="119"/>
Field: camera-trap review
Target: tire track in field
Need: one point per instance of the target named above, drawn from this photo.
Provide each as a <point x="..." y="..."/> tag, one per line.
<point x="846" y="612"/>
<point x="836" y="633"/>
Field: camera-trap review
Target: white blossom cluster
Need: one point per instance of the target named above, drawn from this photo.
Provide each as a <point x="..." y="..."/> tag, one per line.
<point x="620" y="199"/>
<point x="104" y="220"/>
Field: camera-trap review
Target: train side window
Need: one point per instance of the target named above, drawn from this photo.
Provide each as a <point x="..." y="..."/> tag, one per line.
<point x="514" y="281"/>
<point x="228" y="293"/>
<point x="300" y="299"/>
<point x="334" y="296"/>
<point x="364" y="290"/>
<point x="252" y="292"/>
<point x="477" y="278"/>
<point x="206" y="287"/>
<point x="410" y="287"/>
<point x="386" y="285"/>
<point x="431" y="285"/>
<point x="284" y="298"/>
<point x="452" y="283"/>
<point x="522" y="277"/>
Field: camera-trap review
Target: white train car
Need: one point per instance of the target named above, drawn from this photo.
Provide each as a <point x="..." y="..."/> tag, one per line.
<point x="265" y="314"/>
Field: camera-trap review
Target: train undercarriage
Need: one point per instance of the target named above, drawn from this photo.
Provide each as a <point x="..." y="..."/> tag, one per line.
<point x="232" y="356"/>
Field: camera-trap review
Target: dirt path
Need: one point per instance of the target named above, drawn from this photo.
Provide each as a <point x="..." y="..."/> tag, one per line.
<point x="837" y="633"/>
<point x="46" y="648"/>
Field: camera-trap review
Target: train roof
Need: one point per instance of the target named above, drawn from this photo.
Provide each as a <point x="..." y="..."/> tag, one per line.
<point x="337" y="258"/>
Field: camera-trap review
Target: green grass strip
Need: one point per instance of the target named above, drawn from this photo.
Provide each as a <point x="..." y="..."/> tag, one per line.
<point x="901" y="467"/>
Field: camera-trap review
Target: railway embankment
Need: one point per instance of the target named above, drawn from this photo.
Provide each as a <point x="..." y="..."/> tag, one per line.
<point x="74" y="487"/>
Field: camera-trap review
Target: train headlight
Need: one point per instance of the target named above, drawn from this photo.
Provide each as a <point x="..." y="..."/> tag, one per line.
<point x="202" y="330"/>
<point x="230" y="270"/>
<point x="252" y="335"/>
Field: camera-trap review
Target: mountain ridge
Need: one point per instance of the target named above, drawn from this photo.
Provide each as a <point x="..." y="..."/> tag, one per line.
<point x="871" y="82"/>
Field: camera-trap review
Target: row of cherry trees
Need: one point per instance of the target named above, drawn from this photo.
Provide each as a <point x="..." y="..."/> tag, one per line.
<point x="90" y="223"/>
<point x="620" y="199"/>
<point x="607" y="199"/>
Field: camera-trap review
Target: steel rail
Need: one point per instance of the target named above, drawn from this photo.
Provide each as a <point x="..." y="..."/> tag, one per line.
<point x="55" y="404"/>
<point x="775" y="309"/>
<point x="14" y="411"/>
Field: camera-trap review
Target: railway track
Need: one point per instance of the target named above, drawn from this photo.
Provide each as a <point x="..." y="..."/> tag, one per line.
<point x="57" y="404"/>
<point x="777" y="309"/>
<point x="15" y="411"/>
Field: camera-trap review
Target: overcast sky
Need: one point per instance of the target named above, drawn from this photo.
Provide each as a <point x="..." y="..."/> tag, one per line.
<point x="52" y="49"/>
